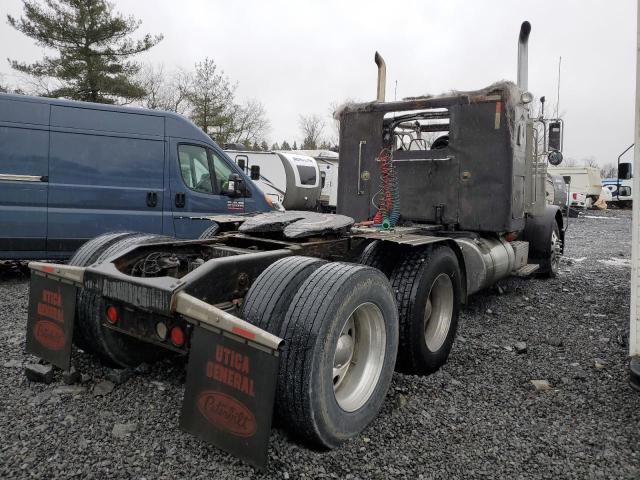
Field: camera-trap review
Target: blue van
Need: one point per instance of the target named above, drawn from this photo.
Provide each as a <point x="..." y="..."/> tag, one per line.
<point x="72" y="170"/>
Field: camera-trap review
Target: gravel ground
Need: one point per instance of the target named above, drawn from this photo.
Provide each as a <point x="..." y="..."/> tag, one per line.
<point x="478" y="417"/>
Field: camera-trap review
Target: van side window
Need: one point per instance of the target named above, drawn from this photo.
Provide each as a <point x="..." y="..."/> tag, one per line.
<point x="194" y="166"/>
<point x="222" y="172"/>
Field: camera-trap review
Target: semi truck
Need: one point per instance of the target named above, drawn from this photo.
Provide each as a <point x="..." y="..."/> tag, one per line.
<point x="304" y="316"/>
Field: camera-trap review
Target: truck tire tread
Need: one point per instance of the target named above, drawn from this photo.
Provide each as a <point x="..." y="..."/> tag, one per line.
<point x="311" y="310"/>
<point x="270" y="295"/>
<point x="405" y="281"/>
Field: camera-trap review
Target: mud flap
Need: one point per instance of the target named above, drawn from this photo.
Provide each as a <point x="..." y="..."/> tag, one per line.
<point x="230" y="393"/>
<point x="52" y="309"/>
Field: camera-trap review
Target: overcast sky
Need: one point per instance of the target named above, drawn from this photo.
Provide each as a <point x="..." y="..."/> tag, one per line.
<point x="299" y="57"/>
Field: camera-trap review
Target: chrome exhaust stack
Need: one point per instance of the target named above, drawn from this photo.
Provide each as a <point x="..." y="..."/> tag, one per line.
<point x="523" y="56"/>
<point x="382" y="76"/>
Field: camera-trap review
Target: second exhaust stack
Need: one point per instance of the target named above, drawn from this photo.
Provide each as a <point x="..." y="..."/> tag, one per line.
<point x="523" y="56"/>
<point x="382" y="76"/>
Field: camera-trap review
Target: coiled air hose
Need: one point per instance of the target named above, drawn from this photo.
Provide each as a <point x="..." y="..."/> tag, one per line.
<point x="388" y="212"/>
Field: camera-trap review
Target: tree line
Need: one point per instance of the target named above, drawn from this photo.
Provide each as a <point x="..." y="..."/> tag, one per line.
<point x="90" y="57"/>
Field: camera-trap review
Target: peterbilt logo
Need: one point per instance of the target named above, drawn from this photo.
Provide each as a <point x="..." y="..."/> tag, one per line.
<point x="227" y="413"/>
<point x="49" y="334"/>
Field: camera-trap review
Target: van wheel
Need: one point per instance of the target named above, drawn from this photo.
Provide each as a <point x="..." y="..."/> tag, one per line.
<point x="210" y="231"/>
<point x="113" y="348"/>
<point x="86" y="255"/>
<point x="550" y="266"/>
<point x="341" y="340"/>
<point x="428" y="292"/>
<point x="271" y="294"/>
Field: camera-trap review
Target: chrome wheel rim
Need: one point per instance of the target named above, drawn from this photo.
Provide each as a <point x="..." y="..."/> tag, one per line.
<point x="438" y="312"/>
<point x="358" y="357"/>
<point x="556" y="248"/>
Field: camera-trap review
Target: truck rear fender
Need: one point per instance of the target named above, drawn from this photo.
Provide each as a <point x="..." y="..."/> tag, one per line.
<point x="537" y="231"/>
<point x="65" y="273"/>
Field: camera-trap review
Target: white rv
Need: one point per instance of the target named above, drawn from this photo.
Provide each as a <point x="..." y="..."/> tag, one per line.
<point x="290" y="178"/>
<point x="328" y="165"/>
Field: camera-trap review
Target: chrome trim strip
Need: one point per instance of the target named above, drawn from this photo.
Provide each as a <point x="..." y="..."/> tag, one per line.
<point x="20" y="178"/>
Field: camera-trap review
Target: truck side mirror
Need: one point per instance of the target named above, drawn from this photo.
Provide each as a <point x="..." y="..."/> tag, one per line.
<point x="555" y="136"/>
<point x="242" y="164"/>
<point x="255" y="172"/>
<point x="624" y="171"/>
<point x="234" y="186"/>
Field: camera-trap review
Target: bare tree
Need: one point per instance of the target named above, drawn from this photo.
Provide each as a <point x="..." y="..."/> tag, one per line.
<point x="569" y="162"/>
<point x="245" y="124"/>
<point x="164" y="91"/>
<point x="591" y="162"/>
<point x="311" y="127"/>
<point x="207" y="97"/>
<point x="334" y="108"/>
<point x="610" y="170"/>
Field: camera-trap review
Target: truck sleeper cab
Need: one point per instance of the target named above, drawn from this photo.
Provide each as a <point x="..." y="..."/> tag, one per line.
<point x="72" y="170"/>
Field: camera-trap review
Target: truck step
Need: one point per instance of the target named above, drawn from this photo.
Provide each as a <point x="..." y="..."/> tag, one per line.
<point x="527" y="270"/>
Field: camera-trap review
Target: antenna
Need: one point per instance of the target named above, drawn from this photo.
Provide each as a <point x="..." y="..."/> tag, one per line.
<point x="558" y="94"/>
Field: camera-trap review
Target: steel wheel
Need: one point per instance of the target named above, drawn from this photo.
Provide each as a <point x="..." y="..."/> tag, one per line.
<point x="438" y="312"/>
<point x="359" y="357"/>
<point x="556" y="251"/>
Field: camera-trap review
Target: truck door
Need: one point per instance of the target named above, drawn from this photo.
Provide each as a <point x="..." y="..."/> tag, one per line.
<point x="198" y="177"/>
<point x="24" y="170"/>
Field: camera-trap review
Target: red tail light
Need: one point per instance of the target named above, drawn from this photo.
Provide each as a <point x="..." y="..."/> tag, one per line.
<point x="112" y="315"/>
<point x="575" y="196"/>
<point x="177" y="336"/>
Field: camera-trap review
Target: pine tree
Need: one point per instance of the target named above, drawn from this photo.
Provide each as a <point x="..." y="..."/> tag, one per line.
<point x="295" y="147"/>
<point x="275" y="146"/>
<point x="211" y="98"/>
<point x="285" y="145"/>
<point x="264" y="146"/>
<point x="92" y="44"/>
<point x="256" y="147"/>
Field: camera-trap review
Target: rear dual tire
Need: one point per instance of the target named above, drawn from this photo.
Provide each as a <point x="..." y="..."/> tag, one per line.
<point x="111" y="347"/>
<point x="340" y="330"/>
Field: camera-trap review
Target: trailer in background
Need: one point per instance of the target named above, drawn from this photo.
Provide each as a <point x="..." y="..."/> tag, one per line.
<point x="328" y="165"/>
<point x="583" y="181"/>
<point x="292" y="179"/>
